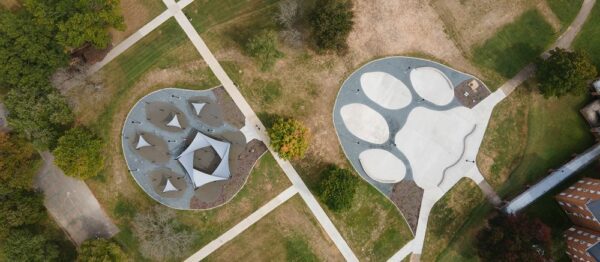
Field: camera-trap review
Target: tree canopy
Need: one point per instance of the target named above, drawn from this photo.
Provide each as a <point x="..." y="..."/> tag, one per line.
<point x="514" y="238"/>
<point x="338" y="187"/>
<point x="79" y="153"/>
<point x="39" y="113"/>
<point x="564" y="72"/>
<point x="24" y="245"/>
<point x="20" y="207"/>
<point x="28" y="50"/>
<point x="78" y="22"/>
<point x="100" y="250"/>
<point x="263" y="47"/>
<point x="289" y="138"/>
<point x="18" y="162"/>
<point x="332" y="23"/>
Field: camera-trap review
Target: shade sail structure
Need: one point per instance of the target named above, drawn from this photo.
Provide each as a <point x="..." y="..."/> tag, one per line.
<point x="169" y="187"/>
<point x="199" y="178"/>
<point x="198" y="107"/>
<point x="174" y="122"/>
<point x="142" y="143"/>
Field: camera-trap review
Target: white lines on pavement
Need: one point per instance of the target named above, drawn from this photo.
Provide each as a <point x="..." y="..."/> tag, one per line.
<point x="243" y="225"/>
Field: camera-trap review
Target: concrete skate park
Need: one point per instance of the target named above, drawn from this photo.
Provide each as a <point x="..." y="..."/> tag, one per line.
<point x="187" y="149"/>
<point x="412" y="127"/>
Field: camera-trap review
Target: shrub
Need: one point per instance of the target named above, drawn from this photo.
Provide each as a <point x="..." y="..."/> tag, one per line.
<point x="79" y="153"/>
<point x="331" y="24"/>
<point x="263" y="47"/>
<point x="20" y="207"/>
<point x="514" y="238"/>
<point x="289" y="138"/>
<point x="24" y="245"/>
<point x="337" y="188"/>
<point x="564" y="72"/>
<point x="18" y="162"/>
<point x="100" y="250"/>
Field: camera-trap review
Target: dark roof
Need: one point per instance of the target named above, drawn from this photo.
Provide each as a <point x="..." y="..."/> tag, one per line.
<point x="594" y="207"/>
<point x="594" y="251"/>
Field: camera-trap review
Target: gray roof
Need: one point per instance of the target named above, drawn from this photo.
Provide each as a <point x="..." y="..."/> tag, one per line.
<point x="594" y="251"/>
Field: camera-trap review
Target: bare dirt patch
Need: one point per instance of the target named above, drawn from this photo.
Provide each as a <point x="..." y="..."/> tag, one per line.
<point x="10" y="4"/>
<point x="471" y="22"/>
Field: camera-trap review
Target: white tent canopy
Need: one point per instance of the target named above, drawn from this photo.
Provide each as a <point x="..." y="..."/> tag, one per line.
<point x="186" y="159"/>
<point x="142" y="143"/>
<point x="169" y="187"/>
<point x="198" y="107"/>
<point x="174" y="122"/>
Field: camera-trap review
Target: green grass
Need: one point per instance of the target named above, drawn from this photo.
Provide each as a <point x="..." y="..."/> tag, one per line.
<point x="288" y="233"/>
<point x="547" y="209"/>
<point x="588" y="39"/>
<point x="373" y="226"/>
<point x="515" y="45"/>
<point x="555" y="131"/>
<point x="205" y="14"/>
<point x="448" y="216"/>
<point x="565" y="10"/>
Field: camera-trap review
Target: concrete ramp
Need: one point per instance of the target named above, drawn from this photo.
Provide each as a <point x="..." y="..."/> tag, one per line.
<point x="72" y="205"/>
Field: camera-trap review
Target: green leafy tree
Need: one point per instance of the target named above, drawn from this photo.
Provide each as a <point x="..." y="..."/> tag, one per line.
<point x="100" y="250"/>
<point x="19" y="207"/>
<point x="79" y="153"/>
<point x="289" y="138"/>
<point x="263" y="47"/>
<point x="79" y="22"/>
<point x="338" y="187"/>
<point x="39" y="113"/>
<point x="514" y="238"/>
<point x="28" y="51"/>
<point x="18" y="162"/>
<point x="332" y="23"/>
<point x="24" y="245"/>
<point x="564" y="72"/>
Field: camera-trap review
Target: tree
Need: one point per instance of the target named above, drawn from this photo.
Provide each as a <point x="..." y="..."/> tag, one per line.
<point x="564" y="72"/>
<point x="24" y="245"/>
<point x="100" y="250"/>
<point x="39" y="113"/>
<point x="18" y="162"/>
<point x="338" y="187"/>
<point x="20" y="207"/>
<point x="79" y="153"/>
<point x="331" y="24"/>
<point x="263" y="47"/>
<point x="28" y="51"/>
<point x="514" y="238"/>
<point x="289" y="138"/>
<point x="159" y="234"/>
<point x="78" y="22"/>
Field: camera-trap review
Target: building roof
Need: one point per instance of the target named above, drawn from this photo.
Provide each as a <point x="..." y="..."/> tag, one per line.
<point x="199" y="178"/>
<point x="174" y="122"/>
<point x="594" y="251"/>
<point x="142" y="143"/>
<point x="198" y="107"/>
<point x="594" y="207"/>
<point x="169" y="187"/>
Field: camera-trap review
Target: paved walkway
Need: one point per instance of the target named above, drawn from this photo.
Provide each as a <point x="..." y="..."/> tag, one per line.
<point x="243" y="225"/>
<point x="564" y="41"/>
<point x="72" y="205"/>
<point x="260" y="129"/>
<point x="552" y="180"/>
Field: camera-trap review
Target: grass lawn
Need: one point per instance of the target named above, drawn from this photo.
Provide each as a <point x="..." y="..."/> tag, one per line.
<point x="205" y="14"/>
<point x="547" y="209"/>
<point x="448" y="215"/>
<point x="554" y="131"/>
<point x="288" y="233"/>
<point x="588" y="39"/>
<point x="565" y="10"/>
<point x="264" y="183"/>
<point x="515" y="45"/>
